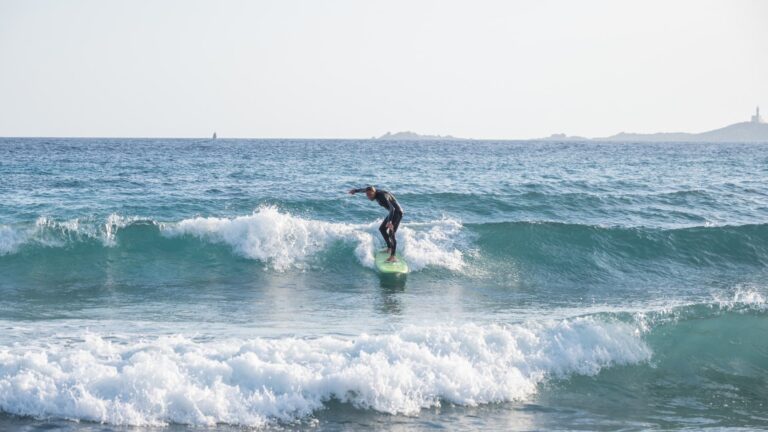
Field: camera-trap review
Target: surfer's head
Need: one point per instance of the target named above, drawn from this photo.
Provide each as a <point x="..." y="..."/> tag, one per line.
<point x="370" y="192"/>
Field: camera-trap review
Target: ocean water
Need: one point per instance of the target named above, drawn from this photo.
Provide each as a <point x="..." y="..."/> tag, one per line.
<point x="166" y="285"/>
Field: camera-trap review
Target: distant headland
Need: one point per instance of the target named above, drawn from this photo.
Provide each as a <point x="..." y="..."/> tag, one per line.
<point x="754" y="130"/>
<point x="413" y="136"/>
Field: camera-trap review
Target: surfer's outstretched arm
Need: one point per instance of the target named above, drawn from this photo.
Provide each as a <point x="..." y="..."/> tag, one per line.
<point x="354" y="191"/>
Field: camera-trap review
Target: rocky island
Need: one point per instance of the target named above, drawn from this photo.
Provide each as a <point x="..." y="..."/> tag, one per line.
<point x="413" y="136"/>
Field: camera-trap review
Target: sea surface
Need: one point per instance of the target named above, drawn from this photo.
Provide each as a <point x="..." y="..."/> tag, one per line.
<point x="166" y="285"/>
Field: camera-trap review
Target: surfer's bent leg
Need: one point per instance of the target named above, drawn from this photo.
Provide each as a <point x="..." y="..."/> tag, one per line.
<point x="384" y="233"/>
<point x="395" y="223"/>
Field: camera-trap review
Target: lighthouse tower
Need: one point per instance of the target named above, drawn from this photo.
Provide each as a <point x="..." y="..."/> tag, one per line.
<point x="756" y="118"/>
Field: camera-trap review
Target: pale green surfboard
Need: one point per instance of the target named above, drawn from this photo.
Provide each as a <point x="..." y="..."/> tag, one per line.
<point x="398" y="267"/>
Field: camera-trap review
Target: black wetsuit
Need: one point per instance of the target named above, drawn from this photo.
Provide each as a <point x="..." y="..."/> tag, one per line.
<point x="388" y="201"/>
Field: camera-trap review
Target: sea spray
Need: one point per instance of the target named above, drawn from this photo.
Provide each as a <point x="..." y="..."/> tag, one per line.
<point x="279" y="239"/>
<point x="10" y="240"/>
<point x="177" y="379"/>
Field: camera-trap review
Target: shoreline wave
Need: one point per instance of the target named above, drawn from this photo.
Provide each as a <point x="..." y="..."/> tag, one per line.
<point x="153" y="381"/>
<point x="146" y="380"/>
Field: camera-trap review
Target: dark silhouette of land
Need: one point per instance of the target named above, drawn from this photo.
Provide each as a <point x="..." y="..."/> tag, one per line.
<point x="755" y="130"/>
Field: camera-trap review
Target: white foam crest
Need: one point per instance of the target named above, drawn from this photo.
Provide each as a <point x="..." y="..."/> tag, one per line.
<point x="10" y="239"/>
<point x="51" y="233"/>
<point x="114" y="223"/>
<point x="254" y="382"/>
<point x="279" y="239"/>
<point x="45" y="232"/>
<point x="433" y="247"/>
<point x="743" y="295"/>
<point x="285" y="241"/>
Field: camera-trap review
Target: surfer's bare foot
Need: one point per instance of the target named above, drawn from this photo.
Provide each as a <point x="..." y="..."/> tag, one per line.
<point x="392" y="259"/>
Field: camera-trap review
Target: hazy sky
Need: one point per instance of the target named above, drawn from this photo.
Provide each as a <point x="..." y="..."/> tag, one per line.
<point x="481" y="69"/>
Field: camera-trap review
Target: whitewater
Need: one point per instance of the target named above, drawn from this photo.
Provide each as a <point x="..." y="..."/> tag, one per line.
<point x="187" y="284"/>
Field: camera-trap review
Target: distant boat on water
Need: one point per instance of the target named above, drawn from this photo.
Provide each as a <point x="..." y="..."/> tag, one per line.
<point x="214" y="135"/>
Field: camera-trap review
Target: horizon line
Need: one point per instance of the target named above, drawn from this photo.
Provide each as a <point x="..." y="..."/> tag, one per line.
<point x="427" y="137"/>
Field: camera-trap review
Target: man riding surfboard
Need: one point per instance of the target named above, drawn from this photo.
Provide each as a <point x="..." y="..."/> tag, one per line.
<point x="389" y="226"/>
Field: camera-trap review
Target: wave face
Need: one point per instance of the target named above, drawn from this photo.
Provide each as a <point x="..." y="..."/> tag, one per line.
<point x="286" y="241"/>
<point x="600" y="249"/>
<point x="277" y="239"/>
<point x="283" y="242"/>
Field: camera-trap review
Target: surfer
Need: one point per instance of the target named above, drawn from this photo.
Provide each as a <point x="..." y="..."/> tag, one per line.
<point x="388" y="227"/>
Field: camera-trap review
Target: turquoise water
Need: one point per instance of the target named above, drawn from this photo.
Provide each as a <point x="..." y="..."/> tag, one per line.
<point x="194" y="283"/>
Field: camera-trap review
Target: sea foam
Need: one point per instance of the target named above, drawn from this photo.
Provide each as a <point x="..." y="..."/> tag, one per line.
<point x="10" y="239"/>
<point x="278" y="239"/>
<point x="285" y="241"/>
<point x="254" y="382"/>
<point x="45" y="232"/>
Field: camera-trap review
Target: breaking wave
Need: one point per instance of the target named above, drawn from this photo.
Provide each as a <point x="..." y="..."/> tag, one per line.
<point x="278" y="239"/>
<point x="133" y="380"/>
